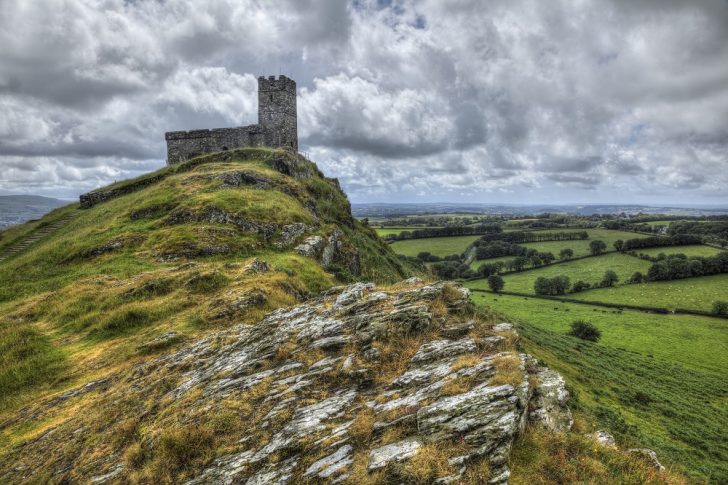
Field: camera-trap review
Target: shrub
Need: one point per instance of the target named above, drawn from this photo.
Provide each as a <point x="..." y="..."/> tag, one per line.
<point x="495" y="282"/>
<point x="585" y="331"/>
<point x="637" y="277"/>
<point x="597" y="247"/>
<point x="720" y="308"/>
<point x="610" y="278"/>
<point x="580" y="286"/>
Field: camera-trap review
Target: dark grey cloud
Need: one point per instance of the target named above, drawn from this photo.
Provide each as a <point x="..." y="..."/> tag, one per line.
<point x="510" y="101"/>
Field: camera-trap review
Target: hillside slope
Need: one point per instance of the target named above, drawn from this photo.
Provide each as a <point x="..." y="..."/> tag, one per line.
<point x="174" y="255"/>
<point x="189" y="325"/>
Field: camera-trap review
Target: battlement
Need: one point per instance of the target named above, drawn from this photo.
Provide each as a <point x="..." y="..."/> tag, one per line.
<point x="277" y="126"/>
<point x="270" y="83"/>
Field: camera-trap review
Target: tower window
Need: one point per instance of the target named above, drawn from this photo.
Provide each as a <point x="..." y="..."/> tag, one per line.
<point x="271" y="97"/>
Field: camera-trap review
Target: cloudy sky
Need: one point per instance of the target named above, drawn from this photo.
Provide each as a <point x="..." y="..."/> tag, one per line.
<point x="434" y="100"/>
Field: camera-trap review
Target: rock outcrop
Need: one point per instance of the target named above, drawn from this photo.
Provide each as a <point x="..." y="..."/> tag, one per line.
<point x="351" y="386"/>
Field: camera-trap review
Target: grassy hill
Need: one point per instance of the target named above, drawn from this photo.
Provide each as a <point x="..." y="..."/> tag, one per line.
<point x="171" y="257"/>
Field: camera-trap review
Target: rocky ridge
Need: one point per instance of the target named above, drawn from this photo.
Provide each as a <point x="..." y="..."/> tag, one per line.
<point x="361" y="385"/>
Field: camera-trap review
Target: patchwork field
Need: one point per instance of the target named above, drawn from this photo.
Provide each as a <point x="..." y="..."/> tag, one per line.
<point x="690" y="293"/>
<point x="386" y="231"/>
<point x="693" y="250"/>
<point x="439" y="246"/>
<point x="652" y="380"/>
<point x="580" y="247"/>
<point x="589" y="270"/>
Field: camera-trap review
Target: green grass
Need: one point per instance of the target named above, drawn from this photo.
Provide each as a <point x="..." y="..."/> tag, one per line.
<point x="83" y="299"/>
<point x="589" y="270"/>
<point x="652" y="380"/>
<point x="580" y="247"/>
<point x="692" y="250"/>
<point x="386" y="231"/>
<point x="690" y="293"/>
<point x="439" y="246"/>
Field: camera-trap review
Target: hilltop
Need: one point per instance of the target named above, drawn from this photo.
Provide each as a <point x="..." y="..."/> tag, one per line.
<point x="227" y="320"/>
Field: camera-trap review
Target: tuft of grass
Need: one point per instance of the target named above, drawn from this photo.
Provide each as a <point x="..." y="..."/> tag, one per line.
<point x="540" y="457"/>
<point x="507" y="371"/>
<point x="207" y="282"/>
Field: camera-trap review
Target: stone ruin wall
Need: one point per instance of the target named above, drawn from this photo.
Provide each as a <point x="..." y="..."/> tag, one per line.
<point x="277" y="126"/>
<point x="183" y="145"/>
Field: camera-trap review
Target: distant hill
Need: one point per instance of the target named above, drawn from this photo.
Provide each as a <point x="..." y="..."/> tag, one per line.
<point x="16" y="209"/>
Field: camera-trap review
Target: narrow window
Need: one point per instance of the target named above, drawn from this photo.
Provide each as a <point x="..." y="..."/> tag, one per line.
<point x="271" y="97"/>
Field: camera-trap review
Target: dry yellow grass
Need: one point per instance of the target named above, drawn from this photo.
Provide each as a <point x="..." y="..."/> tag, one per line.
<point x="507" y="370"/>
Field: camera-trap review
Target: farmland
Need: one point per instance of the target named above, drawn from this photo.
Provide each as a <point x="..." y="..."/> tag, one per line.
<point x="652" y="380"/>
<point x="590" y="270"/>
<point x="690" y="293"/>
<point x="439" y="246"/>
<point x="689" y="251"/>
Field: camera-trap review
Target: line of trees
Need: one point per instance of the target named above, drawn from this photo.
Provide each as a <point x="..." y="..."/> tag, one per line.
<point x="560" y="285"/>
<point x="530" y="236"/>
<point x="426" y="232"/>
<point x="658" y="241"/>
<point x="678" y="266"/>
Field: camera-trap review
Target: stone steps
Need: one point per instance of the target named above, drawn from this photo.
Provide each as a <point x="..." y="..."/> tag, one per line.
<point x="36" y="236"/>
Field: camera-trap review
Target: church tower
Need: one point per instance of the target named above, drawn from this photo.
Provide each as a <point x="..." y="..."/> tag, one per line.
<point x="277" y="110"/>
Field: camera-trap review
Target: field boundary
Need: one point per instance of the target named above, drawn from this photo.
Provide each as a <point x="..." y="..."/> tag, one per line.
<point x="664" y="311"/>
<point x="555" y="263"/>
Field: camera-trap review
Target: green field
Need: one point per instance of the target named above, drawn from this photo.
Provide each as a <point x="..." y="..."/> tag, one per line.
<point x="690" y="293"/>
<point x="590" y="270"/>
<point x="693" y="250"/>
<point x="386" y="231"/>
<point x="439" y="246"/>
<point x="580" y="247"/>
<point x="653" y="381"/>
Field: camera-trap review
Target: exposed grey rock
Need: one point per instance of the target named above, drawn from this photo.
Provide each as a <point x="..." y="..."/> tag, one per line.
<point x="312" y="247"/>
<point x="439" y="349"/>
<point x="256" y="266"/>
<point x="458" y="330"/>
<point x="274" y="474"/>
<point x="550" y="399"/>
<point x="332" y="464"/>
<point x="106" y="477"/>
<point x="291" y="232"/>
<point x="399" y="451"/>
<point x="354" y="293"/>
<point x="503" y="327"/>
<point x="604" y="439"/>
<point x="649" y="456"/>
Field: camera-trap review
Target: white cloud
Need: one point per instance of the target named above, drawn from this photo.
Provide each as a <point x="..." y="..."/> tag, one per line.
<point x="461" y="99"/>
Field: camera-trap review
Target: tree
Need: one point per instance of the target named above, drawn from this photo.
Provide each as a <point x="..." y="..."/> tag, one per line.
<point x="580" y="286"/>
<point x="542" y="286"/>
<point x="495" y="282"/>
<point x="618" y="244"/>
<point x="560" y="285"/>
<point x="637" y="277"/>
<point x="566" y="253"/>
<point x="720" y="308"/>
<point x="610" y="278"/>
<point x="597" y="247"/>
<point x="585" y="331"/>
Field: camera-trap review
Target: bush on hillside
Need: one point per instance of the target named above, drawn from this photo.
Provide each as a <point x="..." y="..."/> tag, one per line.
<point x="585" y="331"/>
<point x="495" y="282"/>
<point x="720" y="308"/>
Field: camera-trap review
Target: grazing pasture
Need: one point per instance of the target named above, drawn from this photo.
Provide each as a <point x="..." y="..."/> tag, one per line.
<point x="439" y="246"/>
<point x="690" y="293"/>
<point x="652" y="380"/>
<point x="590" y="270"/>
<point x="689" y="251"/>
